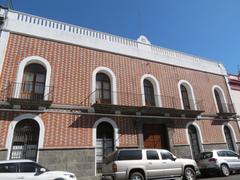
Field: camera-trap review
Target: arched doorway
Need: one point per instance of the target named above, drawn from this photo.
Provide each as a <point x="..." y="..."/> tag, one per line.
<point x="25" y="140"/>
<point x="229" y="139"/>
<point x="194" y="141"/>
<point x="105" y="143"/>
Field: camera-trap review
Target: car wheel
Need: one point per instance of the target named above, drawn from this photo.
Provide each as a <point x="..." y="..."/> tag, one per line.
<point x="189" y="174"/>
<point x="136" y="176"/>
<point x="225" y="170"/>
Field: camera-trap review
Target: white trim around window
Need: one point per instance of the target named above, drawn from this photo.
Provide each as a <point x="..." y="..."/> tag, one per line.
<point x="20" y="72"/>
<point x="199" y="134"/>
<point x="233" y="135"/>
<point x="190" y="92"/>
<point x="113" y="80"/>
<point x="156" y="89"/>
<point x="222" y="97"/>
<point x="13" y="124"/>
<point x="94" y="134"/>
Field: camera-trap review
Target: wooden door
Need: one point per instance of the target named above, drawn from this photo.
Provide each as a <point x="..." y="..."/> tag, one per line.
<point x="155" y="136"/>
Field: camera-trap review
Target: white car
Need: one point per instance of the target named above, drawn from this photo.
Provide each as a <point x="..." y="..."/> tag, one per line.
<point x="223" y="161"/>
<point x="30" y="170"/>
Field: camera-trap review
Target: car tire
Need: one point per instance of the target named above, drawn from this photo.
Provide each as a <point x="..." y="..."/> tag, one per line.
<point x="225" y="170"/>
<point x="136" y="176"/>
<point x="189" y="174"/>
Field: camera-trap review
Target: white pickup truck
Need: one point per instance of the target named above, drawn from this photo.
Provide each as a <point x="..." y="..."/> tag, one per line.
<point x="143" y="164"/>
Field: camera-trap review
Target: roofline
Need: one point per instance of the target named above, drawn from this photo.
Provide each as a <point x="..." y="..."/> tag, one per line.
<point x="69" y="24"/>
<point x="27" y="24"/>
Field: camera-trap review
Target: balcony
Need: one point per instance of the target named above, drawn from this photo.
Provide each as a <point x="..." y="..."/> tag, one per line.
<point x="131" y="103"/>
<point x="226" y="110"/>
<point x="29" y="95"/>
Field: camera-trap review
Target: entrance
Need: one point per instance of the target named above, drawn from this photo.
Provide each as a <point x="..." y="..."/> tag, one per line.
<point x="105" y="143"/>
<point x="155" y="136"/>
<point x="25" y="140"/>
<point x="192" y="131"/>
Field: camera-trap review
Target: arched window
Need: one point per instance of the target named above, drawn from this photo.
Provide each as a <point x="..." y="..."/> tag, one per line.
<point x="25" y="140"/>
<point x="194" y="141"/>
<point x="105" y="143"/>
<point x="218" y="100"/>
<point x="188" y="101"/>
<point x="229" y="139"/>
<point x="149" y="93"/>
<point x="185" y="98"/>
<point x="33" y="82"/>
<point x="103" y="89"/>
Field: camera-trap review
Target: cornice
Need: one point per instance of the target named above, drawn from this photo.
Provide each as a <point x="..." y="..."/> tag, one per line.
<point x="26" y="24"/>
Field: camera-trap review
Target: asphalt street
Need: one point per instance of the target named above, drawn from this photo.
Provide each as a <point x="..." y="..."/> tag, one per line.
<point x="232" y="177"/>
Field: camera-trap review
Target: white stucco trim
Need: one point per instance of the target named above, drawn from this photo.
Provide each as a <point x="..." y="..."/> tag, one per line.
<point x="113" y="80"/>
<point x="22" y="23"/>
<point x="13" y="124"/>
<point x="190" y="92"/>
<point x="222" y="97"/>
<point x="199" y="134"/>
<point x="21" y="67"/>
<point x="115" y="128"/>
<point x="94" y="134"/>
<point x="233" y="135"/>
<point x="156" y="89"/>
<point x="3" y="47"/>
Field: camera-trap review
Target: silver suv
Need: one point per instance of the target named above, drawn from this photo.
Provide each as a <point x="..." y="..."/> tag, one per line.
<point x="225" y="161"/>
<point x="141" y="164"/>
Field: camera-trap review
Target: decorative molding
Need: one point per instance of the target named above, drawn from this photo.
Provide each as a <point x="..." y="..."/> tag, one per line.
<point x="22" y="23"/>
<point x="233" y="135"/>
<point x="156" y="89"/>
<point x="21" y="67"/>
<point x="190" y="92"/>
<point x="94" y="134"/>
<point x="113" y="80"/>
<point x="222" y="97"/>
<point x="13" y="124"/>
<point x="199" y="134"/>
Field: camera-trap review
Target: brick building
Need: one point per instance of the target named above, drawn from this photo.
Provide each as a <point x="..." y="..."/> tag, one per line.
<point x="71" y="95"/>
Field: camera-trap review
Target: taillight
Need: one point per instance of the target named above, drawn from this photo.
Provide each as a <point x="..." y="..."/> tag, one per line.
<point x="114" y="167"/>
<point x="212" y="160"/>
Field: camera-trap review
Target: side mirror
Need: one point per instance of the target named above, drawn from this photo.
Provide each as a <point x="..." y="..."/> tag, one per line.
<point x="174" y="158"/>
<point x="43" y="170"/>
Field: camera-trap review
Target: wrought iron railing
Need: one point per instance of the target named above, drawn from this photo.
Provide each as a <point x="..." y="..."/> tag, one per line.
<point x="227" y="108"/>
<point x="134" y="99"/>
<point x="30" y="91"/>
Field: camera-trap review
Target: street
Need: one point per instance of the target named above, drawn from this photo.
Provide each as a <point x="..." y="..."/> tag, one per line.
<point x="232" y="177"/>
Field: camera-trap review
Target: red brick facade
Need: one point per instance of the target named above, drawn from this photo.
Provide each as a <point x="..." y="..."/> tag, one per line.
<point x="72" y="68"/>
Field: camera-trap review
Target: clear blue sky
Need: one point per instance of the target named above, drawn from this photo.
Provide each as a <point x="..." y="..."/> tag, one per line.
<point x="206" y="28"/>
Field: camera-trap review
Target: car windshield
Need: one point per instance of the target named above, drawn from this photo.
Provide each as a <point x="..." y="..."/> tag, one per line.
<point x="206" y="155"/>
